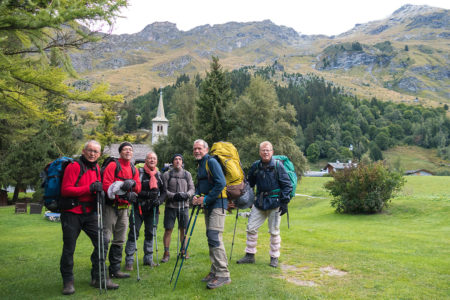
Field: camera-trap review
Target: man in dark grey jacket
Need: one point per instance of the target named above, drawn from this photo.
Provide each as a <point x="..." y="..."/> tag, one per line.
<point x="179" y="189"/>
<point x="273" y="189"/>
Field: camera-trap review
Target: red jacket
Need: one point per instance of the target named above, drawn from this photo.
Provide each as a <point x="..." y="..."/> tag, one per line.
<point x="109" y="176"/>
<point x="81" y="191"/>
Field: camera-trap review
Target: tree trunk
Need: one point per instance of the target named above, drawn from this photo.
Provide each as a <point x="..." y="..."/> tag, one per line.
<point x="16" y="193"/>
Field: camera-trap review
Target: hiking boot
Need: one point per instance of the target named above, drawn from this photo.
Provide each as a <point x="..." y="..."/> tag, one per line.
<point x="109" y="284"/>
<point x="166" y="257"/>
<point x="249" y="258"/>
<point x="68" y="289"/>
<point x="209" y="277"/>
<point x="119" y="274"/>
<point x="273" y="262"/>
<point x="150" y="263"/>
<point x="129" y="267"/>
<point x="218" y="282"/>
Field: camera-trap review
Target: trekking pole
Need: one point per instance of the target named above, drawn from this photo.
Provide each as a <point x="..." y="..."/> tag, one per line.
<point x="234" y="233"/>
<point x="287" y="215"/>
<point x="178" y="231"/>
<point x="186" y="248"/>
<point x="184" y="240"/>
<point x="101" y="244"/>
<point x="155" y="239"/>
<point x="135" y="244"/>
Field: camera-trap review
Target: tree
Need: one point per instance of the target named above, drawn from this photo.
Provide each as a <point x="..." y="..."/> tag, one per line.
<point x="313" y="152"/>
<point x="34" y="64"/>
<point x="268" y="121"/>
<point x="131" y="121"/>
<point x="375" y="152"/>
<point x="215" y="97"/>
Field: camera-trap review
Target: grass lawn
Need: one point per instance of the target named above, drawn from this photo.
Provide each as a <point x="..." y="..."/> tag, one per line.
<point x="402" y="253"/>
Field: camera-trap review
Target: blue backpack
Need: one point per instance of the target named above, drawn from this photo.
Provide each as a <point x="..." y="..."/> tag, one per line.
<point x="289" y="166"/>
<point x="52" y="176"/>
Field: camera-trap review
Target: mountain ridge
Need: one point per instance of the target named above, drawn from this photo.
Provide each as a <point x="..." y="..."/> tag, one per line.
<point x="135" y="63"/>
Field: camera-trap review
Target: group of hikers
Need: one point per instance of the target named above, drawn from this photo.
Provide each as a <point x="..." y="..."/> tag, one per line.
<point x="145" y="189"/>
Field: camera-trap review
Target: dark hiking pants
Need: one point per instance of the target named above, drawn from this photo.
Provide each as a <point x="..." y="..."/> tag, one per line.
<point x="72" y="224"/>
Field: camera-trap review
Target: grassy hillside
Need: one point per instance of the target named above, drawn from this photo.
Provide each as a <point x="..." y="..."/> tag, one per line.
<point x="407" y="158"/>
<point x="413" y="158"/>
<point x="400" y="254"/>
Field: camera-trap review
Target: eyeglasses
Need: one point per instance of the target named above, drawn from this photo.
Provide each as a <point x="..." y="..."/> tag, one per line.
<point x="266" y="150"/>
<point x="92" y="151"/>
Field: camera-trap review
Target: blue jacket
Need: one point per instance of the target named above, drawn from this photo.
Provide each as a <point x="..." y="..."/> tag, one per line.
<point x="273" y="185"/>
<point x="211" y="185"/>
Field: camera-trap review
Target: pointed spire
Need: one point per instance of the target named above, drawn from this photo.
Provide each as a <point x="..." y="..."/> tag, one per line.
<point x="160" y="116"/>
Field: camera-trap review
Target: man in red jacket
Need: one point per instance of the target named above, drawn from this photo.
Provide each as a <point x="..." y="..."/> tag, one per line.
<point x="82" y="215"/>
<point x="116" y="211"/>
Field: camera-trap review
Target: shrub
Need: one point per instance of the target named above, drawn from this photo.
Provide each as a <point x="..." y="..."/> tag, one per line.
<point x="364" y="189"/>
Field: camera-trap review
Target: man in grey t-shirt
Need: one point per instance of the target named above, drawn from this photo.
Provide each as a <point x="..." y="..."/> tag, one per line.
<point x="180" y="188"/>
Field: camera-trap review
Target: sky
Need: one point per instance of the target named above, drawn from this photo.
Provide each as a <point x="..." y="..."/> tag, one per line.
<point x="329" y="17"/>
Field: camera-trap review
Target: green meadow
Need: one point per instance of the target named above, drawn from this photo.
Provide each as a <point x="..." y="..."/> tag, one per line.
<point x="402" y="253"/>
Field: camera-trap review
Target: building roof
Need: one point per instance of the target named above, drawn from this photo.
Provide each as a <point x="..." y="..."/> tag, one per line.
<point x="410" y="172"/>
<point x="340" y="166"/>
<point x="160" y="116"/>
<point x="139" y="151"/>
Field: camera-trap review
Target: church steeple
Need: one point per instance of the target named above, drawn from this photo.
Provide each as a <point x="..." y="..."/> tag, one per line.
<point x="160" y="123"/>
<point x="160" y="116"/>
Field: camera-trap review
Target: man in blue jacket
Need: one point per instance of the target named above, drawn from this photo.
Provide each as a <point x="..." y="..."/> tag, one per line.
<point x="273" y="189"/>
<point x="211" y="194"/>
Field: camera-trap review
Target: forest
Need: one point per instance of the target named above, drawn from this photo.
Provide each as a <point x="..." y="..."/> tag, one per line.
<point x="329" y="123"/>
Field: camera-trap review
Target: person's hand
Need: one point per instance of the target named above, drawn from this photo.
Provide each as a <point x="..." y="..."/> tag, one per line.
<point x="197" y="200"/>
<point x="96" y="187"/>
<point x="283" y="208"/>
<point x="132" y="197"/>
<point x="128" y="185"/>
<point x="231" y="206"/>
<point x="180" y="197"/>
<point x="177" y="197"/>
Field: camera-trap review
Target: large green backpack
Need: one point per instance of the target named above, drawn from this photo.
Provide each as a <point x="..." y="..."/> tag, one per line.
<point x="289" y="166"/>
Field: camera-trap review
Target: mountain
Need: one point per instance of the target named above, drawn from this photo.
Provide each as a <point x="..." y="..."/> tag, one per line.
<point x="400" y="58"/>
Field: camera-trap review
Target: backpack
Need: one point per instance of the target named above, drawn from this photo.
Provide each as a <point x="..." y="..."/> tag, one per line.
<point x="110" y="159"/>
<point x="52" y="176"/>
<point x="228" y="158"/>
<point x="289" y="166"/>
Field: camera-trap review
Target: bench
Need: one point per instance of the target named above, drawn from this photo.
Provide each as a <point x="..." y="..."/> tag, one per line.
<point x="21" y="208"/>
<point x="35" y="208"/>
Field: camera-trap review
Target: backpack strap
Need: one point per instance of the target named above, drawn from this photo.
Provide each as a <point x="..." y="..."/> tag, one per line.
<point x="119" y="168"/>
<point x="171" y="175"/>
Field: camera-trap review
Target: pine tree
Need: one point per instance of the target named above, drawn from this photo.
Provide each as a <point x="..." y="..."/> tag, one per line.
<point x="33" y="63"/>
<point x="214" y="99"/>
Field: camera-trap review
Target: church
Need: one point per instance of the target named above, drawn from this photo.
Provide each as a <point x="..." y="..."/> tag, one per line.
<point x="160" y="126"/>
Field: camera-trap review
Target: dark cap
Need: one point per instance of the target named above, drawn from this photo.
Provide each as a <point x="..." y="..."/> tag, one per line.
<point x="176" y="155"/>
<point x="123" y="145"/>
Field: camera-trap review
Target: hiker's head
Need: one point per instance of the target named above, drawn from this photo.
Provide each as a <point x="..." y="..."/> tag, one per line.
<point x="265" y="151"/>
<point x="92" y="150"/>
<point x="200" y="149"/>
<point x="126" y="151"/>
<point x="177" y="161"/>
<point x="151" y="160"/>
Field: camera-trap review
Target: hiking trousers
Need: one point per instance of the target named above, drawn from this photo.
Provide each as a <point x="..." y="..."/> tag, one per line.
<point x="130" y="247"/>
<point x="255" y="220"/>
<point x="115" y="224"/>
<point x="215" y="224"/>
<point x="72" y="224"/>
